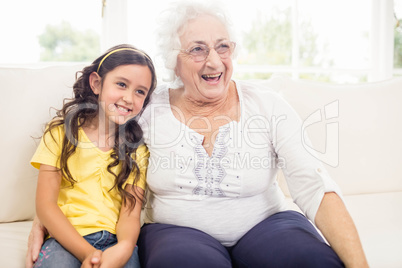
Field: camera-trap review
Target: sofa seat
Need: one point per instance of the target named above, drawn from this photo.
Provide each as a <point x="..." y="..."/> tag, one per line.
<point x="378" y="218"/>
<point x="13" y="243"/>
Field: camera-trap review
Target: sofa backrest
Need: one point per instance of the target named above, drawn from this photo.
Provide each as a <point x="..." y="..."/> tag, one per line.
<point x="357" y="137"/>
<point x="26" y="98"/>
<point x="355" y="130"/>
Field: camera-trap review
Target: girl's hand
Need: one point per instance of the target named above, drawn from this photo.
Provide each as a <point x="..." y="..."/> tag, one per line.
<point x="117" y="255"/>
<point x="92" y="260"/>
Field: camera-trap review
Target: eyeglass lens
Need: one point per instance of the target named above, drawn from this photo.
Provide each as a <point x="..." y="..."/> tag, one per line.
<point x="201" y="52"/>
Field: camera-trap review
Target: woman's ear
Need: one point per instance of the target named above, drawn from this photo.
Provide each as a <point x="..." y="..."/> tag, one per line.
<point x="95" y="81"/>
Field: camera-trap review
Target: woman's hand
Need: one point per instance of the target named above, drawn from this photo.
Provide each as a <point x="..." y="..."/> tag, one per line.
<point x="35" y="241"/>
<point x="338" y="228"/>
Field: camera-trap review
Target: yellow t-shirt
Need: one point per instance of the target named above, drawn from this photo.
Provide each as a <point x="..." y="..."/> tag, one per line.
<point x="90" y="206"/>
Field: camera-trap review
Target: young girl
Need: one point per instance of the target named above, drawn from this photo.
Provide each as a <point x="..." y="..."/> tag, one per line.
<point x="91" y="168"/>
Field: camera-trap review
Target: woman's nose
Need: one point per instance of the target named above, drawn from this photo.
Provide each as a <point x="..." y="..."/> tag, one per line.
<point x="213" y="57"/>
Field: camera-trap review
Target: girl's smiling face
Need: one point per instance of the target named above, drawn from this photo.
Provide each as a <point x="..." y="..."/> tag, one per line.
<point x="122" y="92"/>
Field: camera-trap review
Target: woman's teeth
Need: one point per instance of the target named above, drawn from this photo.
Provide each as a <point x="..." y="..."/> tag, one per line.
<point x="211" y="76"/>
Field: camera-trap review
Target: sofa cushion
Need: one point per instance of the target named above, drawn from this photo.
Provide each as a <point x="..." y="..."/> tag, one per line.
<point x="27" y="95"/>
<point x="13" y="243"/>
<point x="355" y="130"/>
<point x="378" y="219"/>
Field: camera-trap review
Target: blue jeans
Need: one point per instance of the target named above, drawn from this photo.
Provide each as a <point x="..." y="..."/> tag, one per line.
<point x="285" y="239"/>
<point x="53" y="254"/>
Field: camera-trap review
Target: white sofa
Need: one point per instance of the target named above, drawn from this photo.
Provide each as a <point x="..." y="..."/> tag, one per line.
<point x="356" y="131"/>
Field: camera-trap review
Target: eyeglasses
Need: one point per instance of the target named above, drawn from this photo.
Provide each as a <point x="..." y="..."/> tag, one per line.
<point x="200" y="52"/>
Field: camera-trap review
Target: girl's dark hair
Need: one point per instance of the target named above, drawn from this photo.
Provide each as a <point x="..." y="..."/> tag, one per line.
<point x="83" y="107"/>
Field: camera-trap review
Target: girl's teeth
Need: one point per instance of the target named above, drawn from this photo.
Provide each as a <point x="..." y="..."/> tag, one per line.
<point x="122" y="109"/>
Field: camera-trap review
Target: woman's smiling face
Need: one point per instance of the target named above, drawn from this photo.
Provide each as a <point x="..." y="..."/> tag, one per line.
<point x="208" y="80"/>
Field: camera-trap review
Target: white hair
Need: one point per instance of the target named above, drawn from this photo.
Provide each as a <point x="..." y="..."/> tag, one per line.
<point x="172" y="23"/>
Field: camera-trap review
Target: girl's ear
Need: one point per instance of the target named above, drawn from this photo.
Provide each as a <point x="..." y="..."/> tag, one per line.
<point x="95" y="81"/>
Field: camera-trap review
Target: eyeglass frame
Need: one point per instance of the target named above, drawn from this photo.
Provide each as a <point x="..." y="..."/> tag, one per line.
<point x="208" y="49"/>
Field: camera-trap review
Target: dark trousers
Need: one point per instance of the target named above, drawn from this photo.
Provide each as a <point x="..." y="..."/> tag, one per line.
<point x="285" y="239"/>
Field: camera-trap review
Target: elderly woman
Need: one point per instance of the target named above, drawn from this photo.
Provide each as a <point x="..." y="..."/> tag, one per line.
<point x="215" y="146"/>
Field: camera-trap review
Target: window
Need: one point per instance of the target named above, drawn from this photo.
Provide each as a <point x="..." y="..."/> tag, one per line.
<point x="320" y="40"/>
<point x="398" y="38"/>
<point x="337" y="41"/>
<point x="75" y="24"/>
